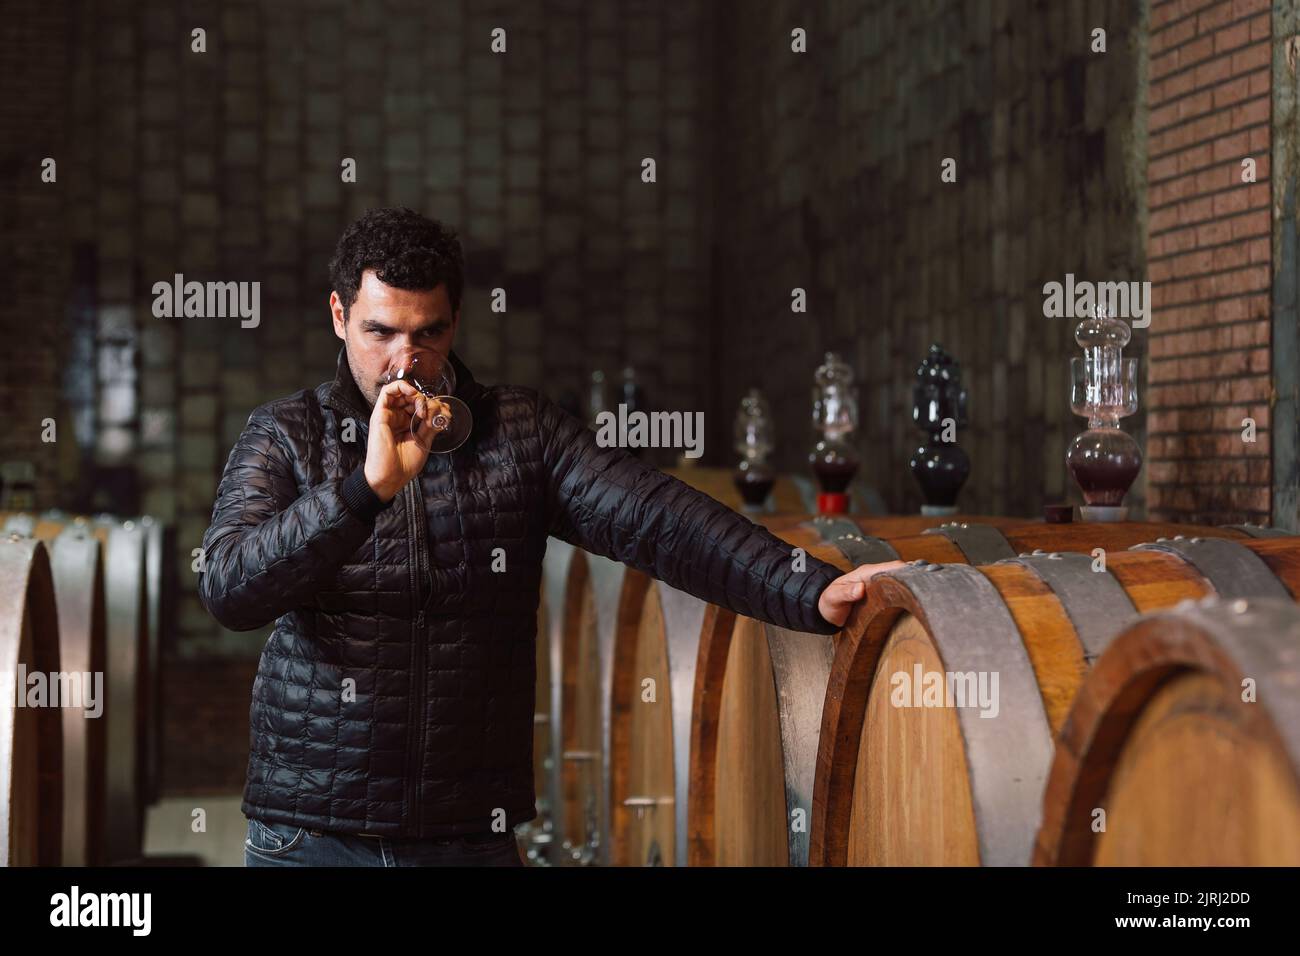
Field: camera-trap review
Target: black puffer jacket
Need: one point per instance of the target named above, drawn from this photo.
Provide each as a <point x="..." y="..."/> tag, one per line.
<point x="395" y="695"/>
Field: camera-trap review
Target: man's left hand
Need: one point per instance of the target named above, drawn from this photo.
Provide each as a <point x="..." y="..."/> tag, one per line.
<point x="847" y="590"/>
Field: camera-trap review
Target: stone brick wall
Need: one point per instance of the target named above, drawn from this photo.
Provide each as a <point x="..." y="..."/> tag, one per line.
<point x="205" y="728"/>
<point x="225" y="165"/>
<point x="1210" y="249"/>
<point x="828" y="178"/>
<point x="34" y="125"/>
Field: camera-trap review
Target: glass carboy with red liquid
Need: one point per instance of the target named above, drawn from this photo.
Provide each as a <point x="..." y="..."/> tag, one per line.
<point x="754" y="433"/>
<point x="1103" y="460"/>
<point x="835" y="420"/>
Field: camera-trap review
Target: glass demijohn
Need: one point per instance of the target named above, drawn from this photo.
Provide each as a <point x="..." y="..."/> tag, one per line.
<point x="835" y="419"/>
<point x="754" y="434"/>
<point x="433" y="376"/>
<point x="1103" y="460"/>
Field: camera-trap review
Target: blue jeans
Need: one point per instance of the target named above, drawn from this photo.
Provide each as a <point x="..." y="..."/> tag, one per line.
<point x="283" y="844"/>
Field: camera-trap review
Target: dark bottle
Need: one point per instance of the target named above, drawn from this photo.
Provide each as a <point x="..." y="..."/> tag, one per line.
<point x="939" y="465"/>
<point x="632" y="395"/>
<point x="754" y="438"/>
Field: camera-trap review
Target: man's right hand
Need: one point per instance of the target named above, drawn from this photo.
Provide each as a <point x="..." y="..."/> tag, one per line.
<point x="393" y="457"/>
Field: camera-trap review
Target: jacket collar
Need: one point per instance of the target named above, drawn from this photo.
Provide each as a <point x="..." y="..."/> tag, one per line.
<point x="342" y="393"/>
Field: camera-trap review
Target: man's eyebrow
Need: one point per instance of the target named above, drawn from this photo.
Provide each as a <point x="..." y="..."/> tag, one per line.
<point x="374" y="325"/>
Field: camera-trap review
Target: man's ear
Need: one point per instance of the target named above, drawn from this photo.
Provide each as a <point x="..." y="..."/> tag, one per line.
<point x="336" y="313"/>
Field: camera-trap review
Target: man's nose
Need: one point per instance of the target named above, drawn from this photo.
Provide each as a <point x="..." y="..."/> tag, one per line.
<point x="406" y="343"/>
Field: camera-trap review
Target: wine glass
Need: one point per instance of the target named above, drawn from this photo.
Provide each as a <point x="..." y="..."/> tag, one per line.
<point x="434" y="378"/>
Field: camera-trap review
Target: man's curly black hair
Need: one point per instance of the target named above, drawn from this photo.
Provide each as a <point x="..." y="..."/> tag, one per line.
<point x="406" y="250"/>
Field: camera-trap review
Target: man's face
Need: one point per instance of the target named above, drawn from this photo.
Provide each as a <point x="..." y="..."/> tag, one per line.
<point x="384" y="319"/>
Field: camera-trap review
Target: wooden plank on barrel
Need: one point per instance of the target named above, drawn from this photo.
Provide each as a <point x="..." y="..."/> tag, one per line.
<point x="555" y="574"/>
<point x="591" y="607"/>
<point x="653" y="613"/>
<point x="124" y="583"/>
<point x="158" y="559"/>
<point x="1258" y="531"/>
<point x="641" y="735"/>
<point x="738" y="778"/>
<point x="77" y="566"/>
<point x="1235" y="571"/>
<point x="1009" y="754"/>
<point x="981" y="543"/>
<point x="606" y="583"/>
<point x="31" y="737"/>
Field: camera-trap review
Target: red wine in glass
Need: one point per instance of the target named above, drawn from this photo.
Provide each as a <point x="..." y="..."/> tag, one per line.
<point x="835" y="475"/>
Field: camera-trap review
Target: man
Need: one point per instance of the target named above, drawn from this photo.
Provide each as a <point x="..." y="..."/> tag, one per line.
<point x="392" y="712"/>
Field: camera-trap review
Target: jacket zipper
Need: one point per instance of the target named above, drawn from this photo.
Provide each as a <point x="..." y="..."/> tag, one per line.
<point x="419" y="570"/>
<point x="418" y="676"/>
<point x="416" y="686"/>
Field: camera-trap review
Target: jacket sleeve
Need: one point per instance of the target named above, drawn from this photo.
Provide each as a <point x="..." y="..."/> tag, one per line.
<point x="608" y="502"/>
<point x="268" y="550"/>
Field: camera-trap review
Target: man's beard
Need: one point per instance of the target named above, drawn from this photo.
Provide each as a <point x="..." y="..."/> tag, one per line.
<point x="361" y="382"/>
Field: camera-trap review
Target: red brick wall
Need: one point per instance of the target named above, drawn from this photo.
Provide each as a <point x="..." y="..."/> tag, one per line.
<point x="1209" y="260"/>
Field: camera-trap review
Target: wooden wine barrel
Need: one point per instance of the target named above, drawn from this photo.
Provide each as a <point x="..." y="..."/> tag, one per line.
<point x="661" y="775"/>
<point x="903" y="778"/>
<point x="1183" y="745"/>
<point x="535" y="837"/>
<point x="654" y="756"/>
<point x="31" y="733"/>
<point x="127" y="711"/>
<point x="159" y="557"/>
<point x="547" y="754"/>
<point x="76" y="559"/>
<point x="77" y="565"/>
<point x="589" y="612"/>
<point x="159" y="570"/>
<point x="130" y="681"/>
<point x="755" y="835"/>
<point x="755" y="715"/>
<point x="594" y="601"/>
